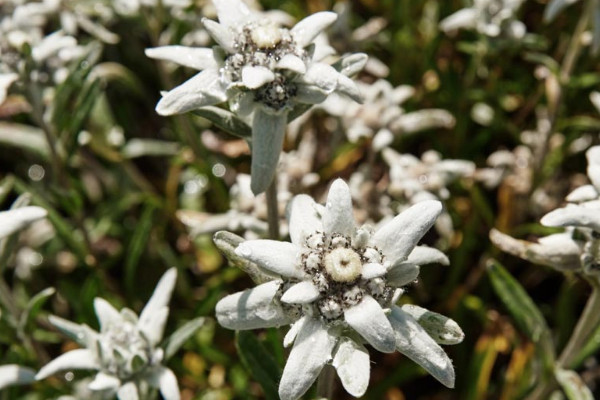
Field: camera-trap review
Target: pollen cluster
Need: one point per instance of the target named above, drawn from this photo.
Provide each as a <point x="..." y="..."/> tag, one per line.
<point x="263" y="44"/>
<point x="336" y="267"/>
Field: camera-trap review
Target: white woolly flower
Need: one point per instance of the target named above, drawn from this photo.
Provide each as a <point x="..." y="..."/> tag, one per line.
<point x="12" y="374"/>
<point x="488" y="17"/>
<point x="381" y="117"/>
<point x="337" y="285"/>
<point x="264" y="71"/>
<point x="126" y="351"/>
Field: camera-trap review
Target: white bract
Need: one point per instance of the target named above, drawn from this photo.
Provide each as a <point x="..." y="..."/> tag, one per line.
<point x="488" y="17"/>
<point x="264" y="71"/>
<point x="337" y="285"/>
<point x="126" y="351"/>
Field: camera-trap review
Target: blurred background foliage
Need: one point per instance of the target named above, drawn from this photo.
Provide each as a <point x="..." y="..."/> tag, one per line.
<point x="119" y="173"/>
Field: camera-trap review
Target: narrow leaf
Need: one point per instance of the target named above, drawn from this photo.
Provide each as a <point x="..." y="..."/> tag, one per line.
<point x="174" y="342"/>
<point x="225" y="120"/>
<point x="524" y="311"/>
<point x="259" y="361"/>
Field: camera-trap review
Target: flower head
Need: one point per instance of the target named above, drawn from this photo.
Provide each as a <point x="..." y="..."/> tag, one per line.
<point x="488" y="17"/>
<point x="126" y="351"/>
<point x="263" y="70"/>
<point x="576" y="248"/>
<point x="338" y="285"/>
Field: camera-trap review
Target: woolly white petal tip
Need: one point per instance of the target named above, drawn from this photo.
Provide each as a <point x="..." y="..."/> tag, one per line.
<point x="338" y="217"/>
<point x="415" y="343"/>
<point x="74" y="359"/>
<point x="312" y="349"/>
<point x="351" y="361"/>
<point x="15" y="375"/>
<point x="398" y="237"/>
<point x="12" y="221"/>
<point x="252" y="309"/>
<point x="305" y="31"/>
<point x="368" y="319"/>
<point x="274" y="256"/>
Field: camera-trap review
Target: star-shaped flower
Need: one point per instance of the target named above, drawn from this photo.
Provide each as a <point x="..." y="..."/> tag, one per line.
<point x="126" y="351"/>
<point x="338" y="285"/>
<point x="264" y="71"/>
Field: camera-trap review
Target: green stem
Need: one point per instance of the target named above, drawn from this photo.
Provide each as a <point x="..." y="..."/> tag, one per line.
<point x="272" y="209"/>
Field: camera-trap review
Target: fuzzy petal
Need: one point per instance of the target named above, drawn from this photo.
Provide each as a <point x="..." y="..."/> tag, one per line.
<point x="312" y="349"/>
<point x="255" y="77"/>
<point x="558" y="251"/>
<point x="14" y="220"/>
<point x="268" y="131"/>
<point x="290" y="336"/>
<point x="338" y="217"/>
<point x="368" y="319"/>
<point x="465" y="18"/>
<point x="199" y="58"/>
<point x="351" y="361"/>
<point x="373" y="270"/>
<point x="154" y="315"/>
<point x="593" y="172"/>
<point x="305" y="31"/>
<point x="441" y="328"/>
<point x="321" y="77"/>
<point x="281" y="258"/>
<point x="292" y="63"/>
<point x="573" y="216"/>
<point x="401" y="274"/>
<point x="165" y="380"/>
<point x="301" y="293"/>
<point x="128" y="392"/>
<point x="203" y="89"/>
<point x="398" y="237"/>
<point x="252" y="309"/>
<point x="422" y="255"/>
<point x="74" y="359"/>
<point x="222" y="35"/>
<point x="233" y="13"/>
<point x="15" y="375"/>
<point x="414" y="342"/>
<point x="304" y="219"/>
<point x="104" y="381"/>
<point x="348" y="87"/>
<point x="583" y="193"/>
<point x="5" y="81"/>
<point x="106" y="313"/>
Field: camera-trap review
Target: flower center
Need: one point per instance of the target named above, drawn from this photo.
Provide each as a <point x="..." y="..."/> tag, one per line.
<point x="343" y="265"/>
<point x="266" y="36"/>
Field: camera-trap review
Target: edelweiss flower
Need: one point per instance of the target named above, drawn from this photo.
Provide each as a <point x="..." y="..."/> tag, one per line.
<point x="576" y="248"/>
<point x="489" y="17"/>
<point x="382" y="117"/>
<point x="263" y="71"/>
<point x="337" y="285"/>
<point x="126" y="351"/>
